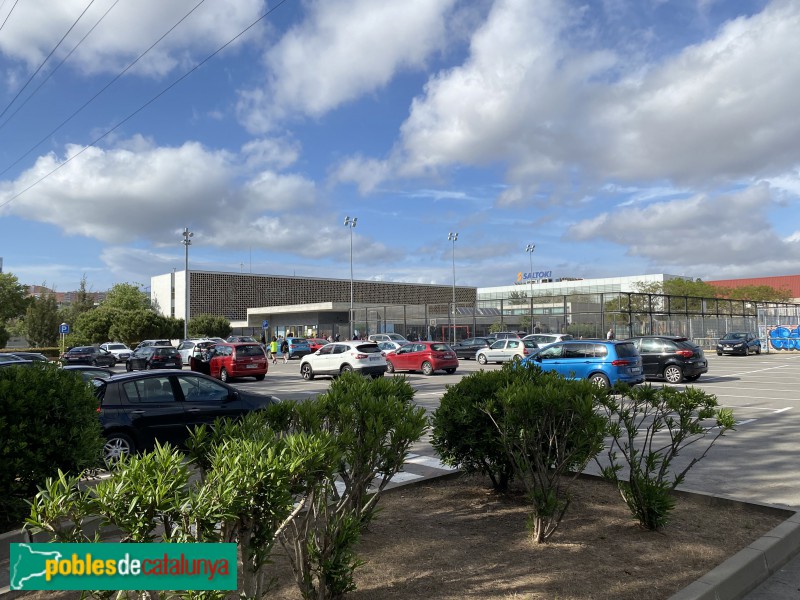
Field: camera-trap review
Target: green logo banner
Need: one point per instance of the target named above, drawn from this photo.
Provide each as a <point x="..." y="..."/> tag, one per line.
<point x="123" y="567"/>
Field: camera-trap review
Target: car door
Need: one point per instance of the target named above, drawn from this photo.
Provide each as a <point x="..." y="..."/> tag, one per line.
<point x="513" y="349"/>
<point x="650" y="349"/>
<point x="322" y="360"/>
<point x="139" y="358"/>
<point x="204" y="400"/>
<point x="577" y="359"/>
<point x="495" y="351"/>
<point x="154" y="411"/>
<point x="406" y="356"/>
<point x="549" y="359"/>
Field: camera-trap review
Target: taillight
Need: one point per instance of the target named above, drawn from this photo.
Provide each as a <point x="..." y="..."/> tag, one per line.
<point x="685" y="353"/>
<point x="621" y="363"/>
<point x="360" y="356"/>
<point x="525" y="351"/>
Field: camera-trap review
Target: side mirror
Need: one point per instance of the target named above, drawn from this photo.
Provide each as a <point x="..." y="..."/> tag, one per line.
<point x="537" y="358"/>
<point x="234" y="395"/>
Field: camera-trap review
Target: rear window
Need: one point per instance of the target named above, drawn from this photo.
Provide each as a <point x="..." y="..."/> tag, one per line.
<point x="166" y="352"/>
<point x="440" y="347"/>
<point x="368" y="348"/>
<point x="252" y="350"/>
<point x="626" y="350"/>
<point x="83" y="349"/>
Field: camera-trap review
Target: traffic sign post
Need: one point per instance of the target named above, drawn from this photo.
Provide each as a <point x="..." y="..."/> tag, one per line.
<point x="63" y="329"/>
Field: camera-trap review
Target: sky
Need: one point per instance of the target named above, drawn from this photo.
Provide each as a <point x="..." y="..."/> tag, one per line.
<point x="620" y="137"/>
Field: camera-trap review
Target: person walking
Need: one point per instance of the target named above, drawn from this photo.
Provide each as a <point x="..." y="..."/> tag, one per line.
<point x="285" y="351"/>
<point x="273" y="350"/>
<point x="610" y="334"/>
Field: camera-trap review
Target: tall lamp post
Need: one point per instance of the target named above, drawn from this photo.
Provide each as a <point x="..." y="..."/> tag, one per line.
<point x="453" y="237"/>
<point x="351" y="223"/>
<point x="187" y="241"/>
<point x="529" y="249"/>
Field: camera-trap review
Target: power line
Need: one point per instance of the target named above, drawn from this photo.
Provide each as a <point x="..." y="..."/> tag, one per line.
<point x="9" y="14"/>
<point x="103" y="89"/>
<point x="39" y="68"/>
<point x="58" y="66"/>
<point x="146" y="104"/>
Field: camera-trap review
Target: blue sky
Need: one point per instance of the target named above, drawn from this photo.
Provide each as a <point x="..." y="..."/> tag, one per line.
<point x="620" y="137"/>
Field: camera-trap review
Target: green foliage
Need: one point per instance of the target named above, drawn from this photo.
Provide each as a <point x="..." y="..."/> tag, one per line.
<point x="496" y="326"/>
<point x="82" y="302"/>
<point x="209" y="326"/>
<point x="757" y="293"/>
<point x="12" y="297"/>
<point x="41" y="321"/>
<point x="463" y="432"/>
<point x="649" y="427"/>
<point x="373" y="423"/>
<point x="550" y="430"/>
<point x="4" y="335"/>
<point x="127" y="296"/>
<point x="48" y="421"/>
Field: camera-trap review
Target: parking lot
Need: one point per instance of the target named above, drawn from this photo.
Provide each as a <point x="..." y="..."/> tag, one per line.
<point x="757" y="463"/>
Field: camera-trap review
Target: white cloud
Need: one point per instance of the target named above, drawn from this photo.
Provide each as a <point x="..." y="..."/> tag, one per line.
<point x="343" y="50"/>
<point x="34" y="28"/>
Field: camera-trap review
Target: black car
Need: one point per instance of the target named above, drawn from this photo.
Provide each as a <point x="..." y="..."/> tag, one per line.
<point x="19" y="363"/>
<point x="154" y="357"/>
<point x="739" y="342"/>
<point x="88" y="355"/>
<point x="88" y="372"/>
<point x="138" y="409"/>
<point x="467" y="348"/>
<point x="37" y="356"/>
<point x="670" y="357"/>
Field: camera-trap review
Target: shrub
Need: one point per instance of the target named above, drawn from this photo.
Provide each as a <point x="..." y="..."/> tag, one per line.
<point x="650" y="426"/>
<point x="550" y="430"/>
<point x="48" y="421"/>
<point x="463" y="432"/>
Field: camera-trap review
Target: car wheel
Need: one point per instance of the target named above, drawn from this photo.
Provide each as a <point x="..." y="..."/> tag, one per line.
<point x="223" y="375"/>
<point x="719" y="353"/>
<point x="758" y="350"/>
<point x="482" y="359"/>
<point x="517" y="358"/>
<point x="128" y="367"/>
<point x="346" y="369"/>
<point x="427" y="368"/>
<point x="746" y="351"/>
<point x="306" y="371"/>
<point x="673" y="374"/>
<point x="94" y="363"/>
<point x="259" y="377"/>
<point x="389" y="367"/>
<point x="449" y="371"/>
<point x="117" y="445"/>
<point x="113" y="363"/>
<point x="600" y="380"/>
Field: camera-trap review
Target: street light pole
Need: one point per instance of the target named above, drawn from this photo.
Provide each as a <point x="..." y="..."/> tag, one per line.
<point x="453" y="237"/>
<point x="529" y="249"/>
<point x="187" y="241"/>
<point x="351" y="223"/>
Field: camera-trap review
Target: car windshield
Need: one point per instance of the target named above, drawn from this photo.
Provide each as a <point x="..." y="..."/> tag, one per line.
<point x="734" y="336"/>
<point x="83" y="349"/>
<point x="115" y="346"/>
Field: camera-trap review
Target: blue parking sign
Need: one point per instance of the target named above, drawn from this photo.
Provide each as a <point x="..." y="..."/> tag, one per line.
<point x="264" y="324"/>
<point x="63" y="328"/>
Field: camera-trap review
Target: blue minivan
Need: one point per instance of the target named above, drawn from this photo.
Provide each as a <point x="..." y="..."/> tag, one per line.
<point x="602" y="362"/>
<point x="298" y="347"/>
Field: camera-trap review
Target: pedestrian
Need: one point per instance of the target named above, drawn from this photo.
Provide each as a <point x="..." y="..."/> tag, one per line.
<point x="273" y="350"/>
<point x="285" y="351"/>
<point x="610" y="334"/>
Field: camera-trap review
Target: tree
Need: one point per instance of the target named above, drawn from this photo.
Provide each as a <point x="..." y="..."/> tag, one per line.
<point x="758" y="293"/>
<point x="41" y="321"/>
<point x="81" y="303"/>
<point x="209" y="326"/>
<point x="127" y="296"/>
<point x="13" y="300"/>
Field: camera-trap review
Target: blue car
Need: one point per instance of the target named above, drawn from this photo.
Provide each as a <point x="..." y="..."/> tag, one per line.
<point x="298" y="347"/>
<point x="604" y="363"/>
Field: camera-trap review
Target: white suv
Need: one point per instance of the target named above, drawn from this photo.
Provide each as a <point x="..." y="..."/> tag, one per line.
<point x="118" y="349"/>
<point x="545" y="339"/>
<point x="387" y="337"/>
<point x="340" y="357"/>
<point x="186" y="347"/>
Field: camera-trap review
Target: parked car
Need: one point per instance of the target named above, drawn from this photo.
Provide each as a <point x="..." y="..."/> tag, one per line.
<point x="19" y="363"/>
<point x="670" y="357"/>
<point x="739" y="342"/>
<point x="9" y="357"/>
<point x="387" y="337"/>
<point x="88" y="355"/>
<point x="340" y="357"/>
<point x="186" y="347"/>
<point x="390" y="346"/>
<point x="145" y="343"/>
<point x="238" y="359"/>
<point x="505" y="335"/>
<point x="545" y="339"/>
<point x="298" y="347"/>
<point x="118" y="349"/>
<point x="138" y="409"/>
<point x="89" y="372"/>
<point x="154" y="357"/>
<point x="504" y="350"/>
<point x="36" y="356"/>
<point x="603" y="362"/>
<point x="316" y="343"/>
<point x="468" y="348"/>
<point x="231" y="339"/>
<point x="422" y="356"/>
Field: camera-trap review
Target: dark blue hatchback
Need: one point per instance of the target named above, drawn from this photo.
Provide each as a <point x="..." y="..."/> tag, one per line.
<point x="602" y="362"/>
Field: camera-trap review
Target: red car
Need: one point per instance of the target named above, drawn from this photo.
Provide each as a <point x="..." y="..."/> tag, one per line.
<point x="238" y="359"/>
<point x="316" y="343"/>
<point x="422" y="356"/>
